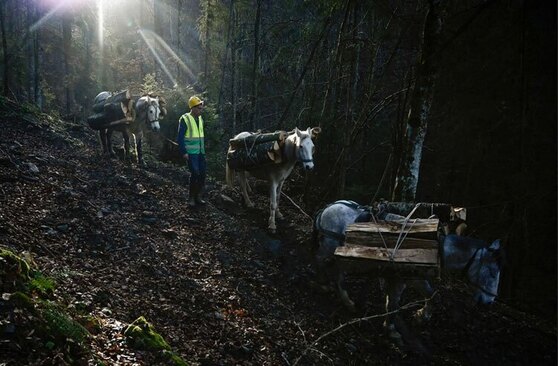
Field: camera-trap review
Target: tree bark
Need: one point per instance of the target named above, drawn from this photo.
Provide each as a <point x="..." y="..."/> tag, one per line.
<point x="67" y="42"/>
<point x="421" y="102"/>
<point x="5" y="79"/>
<point x="254" y="97"/>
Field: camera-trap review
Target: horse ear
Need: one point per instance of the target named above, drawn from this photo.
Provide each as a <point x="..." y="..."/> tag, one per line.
<point x="495" y="245"/>
<point x="315" y="131"/>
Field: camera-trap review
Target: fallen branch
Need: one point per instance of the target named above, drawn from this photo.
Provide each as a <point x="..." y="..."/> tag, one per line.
<point x="359" y="320"/>
<point x="297" y="206"/>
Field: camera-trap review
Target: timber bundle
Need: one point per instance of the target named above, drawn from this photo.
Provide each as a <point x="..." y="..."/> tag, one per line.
<point x="256" y="150"/>
<point x="118" y="109"/>
<point x="404" y="248"/>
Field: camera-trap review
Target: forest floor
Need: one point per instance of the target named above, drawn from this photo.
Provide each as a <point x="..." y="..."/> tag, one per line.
<point x="121" y="243"/>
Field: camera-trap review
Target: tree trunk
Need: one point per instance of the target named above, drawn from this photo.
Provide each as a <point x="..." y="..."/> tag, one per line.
<point x="254" y="97"/>
<point x="67" y="42"/>
<point x="421" y="102"/>
<point x="224" y="65"/>
<point x="5" y="79"/>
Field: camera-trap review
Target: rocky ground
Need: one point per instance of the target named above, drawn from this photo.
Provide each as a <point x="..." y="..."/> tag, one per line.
<point x="119" y="243"/>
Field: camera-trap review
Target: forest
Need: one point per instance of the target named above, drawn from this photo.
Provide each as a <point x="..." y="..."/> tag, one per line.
<point x="437" y="101"/>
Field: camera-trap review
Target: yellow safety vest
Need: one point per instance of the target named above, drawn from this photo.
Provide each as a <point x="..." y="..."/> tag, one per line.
<point x="194" y="137"/>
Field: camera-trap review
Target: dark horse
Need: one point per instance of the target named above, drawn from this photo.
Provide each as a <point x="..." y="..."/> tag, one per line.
<point x="479" y="261"/>
<point x="147" y="112"/>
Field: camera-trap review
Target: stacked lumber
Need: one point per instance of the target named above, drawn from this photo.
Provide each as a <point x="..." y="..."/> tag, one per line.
<point x="256" y="150"/>
<point x="407" y="249"/>
<point x="116" y="110"/>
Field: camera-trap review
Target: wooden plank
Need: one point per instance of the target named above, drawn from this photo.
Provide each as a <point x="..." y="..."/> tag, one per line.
<point x="375" y="240"/>
<point x="444" y="211"/>
<point x="412" y="226"/>
<point x="409" y="256"/>
<point x="387" y="269"/>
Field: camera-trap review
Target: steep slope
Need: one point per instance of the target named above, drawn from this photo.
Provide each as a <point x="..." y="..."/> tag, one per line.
<point x="121" y="243"/>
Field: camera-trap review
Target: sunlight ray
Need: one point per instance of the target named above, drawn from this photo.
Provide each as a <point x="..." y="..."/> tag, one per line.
<point x="47" y="16"/>
<point x="174" y="56"/>
<point x="156" y="55"/>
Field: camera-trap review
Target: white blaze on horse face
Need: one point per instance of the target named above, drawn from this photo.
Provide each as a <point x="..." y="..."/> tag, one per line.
<point x="305" y="152"/>
<point x="153" y="117"/>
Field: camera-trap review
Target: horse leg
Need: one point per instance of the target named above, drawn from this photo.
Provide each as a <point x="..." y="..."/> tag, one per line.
<point x="278" y="213"/>
<point x="126" y="137"/>
<point x="424" y="288"/>
<point x="394" y="290"/>
<point x="345" y="299"/>
<point x="243" y="184"/>
<point x="139" y="150"/>
<point x="109" y="143"/>
<point x="272" y="206"/>
<point x="103" y="138"/>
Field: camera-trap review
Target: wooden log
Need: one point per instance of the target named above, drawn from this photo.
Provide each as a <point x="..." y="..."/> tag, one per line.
<point x="258" y="138"/>
<point x="444" y="211"/>
<point x="395" y="226"/>
<point x="258" y="155"/>
<point x="97" y="121"/>
<point x="123" y="96"/>
<point x="408" y="256"/>
<point x="387" y="269"/>
<point x="119" y="97"/>
<point x="128" y="109"/>
<point x="389" y="240"/>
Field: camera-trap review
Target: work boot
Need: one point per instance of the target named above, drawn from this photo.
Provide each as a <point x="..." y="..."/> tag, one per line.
<point x="199" y="191"/>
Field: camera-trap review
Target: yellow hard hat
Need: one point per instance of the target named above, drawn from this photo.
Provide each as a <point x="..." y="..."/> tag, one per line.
<point x="194" y="101"/>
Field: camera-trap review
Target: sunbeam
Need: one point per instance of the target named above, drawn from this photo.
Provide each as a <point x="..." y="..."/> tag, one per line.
<point x="149" y="44"/>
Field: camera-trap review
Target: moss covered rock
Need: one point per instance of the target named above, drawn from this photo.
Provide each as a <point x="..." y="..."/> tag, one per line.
<point x="142" y="335"/>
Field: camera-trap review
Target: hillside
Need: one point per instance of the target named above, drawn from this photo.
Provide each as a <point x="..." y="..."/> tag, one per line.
<point x="119" y="243"/>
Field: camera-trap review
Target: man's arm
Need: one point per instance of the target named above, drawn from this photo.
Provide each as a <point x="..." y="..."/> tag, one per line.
<point x="180" y="139"/>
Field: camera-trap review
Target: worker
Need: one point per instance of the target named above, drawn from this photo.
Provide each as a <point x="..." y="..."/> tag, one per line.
<point x="192" y="148"/>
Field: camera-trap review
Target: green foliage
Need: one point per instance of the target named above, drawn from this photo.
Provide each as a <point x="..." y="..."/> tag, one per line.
<point x="151" y="85"/>
<point x="60" y="325"/>
<point x="41" y="284"/>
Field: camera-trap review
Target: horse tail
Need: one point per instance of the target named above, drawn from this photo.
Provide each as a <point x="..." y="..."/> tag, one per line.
<point x="229" y="175"/>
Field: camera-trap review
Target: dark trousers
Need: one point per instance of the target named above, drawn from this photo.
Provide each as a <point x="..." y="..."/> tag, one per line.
<point x="198" y="168"/>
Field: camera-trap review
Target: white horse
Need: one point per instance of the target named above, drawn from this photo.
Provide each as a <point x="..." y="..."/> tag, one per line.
<point x="148" y="112"/>
<point x="478" y="261"/>
<point x="298" y="147"/>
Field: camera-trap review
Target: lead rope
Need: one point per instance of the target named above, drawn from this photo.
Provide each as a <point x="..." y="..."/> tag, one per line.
<point x="402" y="237"/>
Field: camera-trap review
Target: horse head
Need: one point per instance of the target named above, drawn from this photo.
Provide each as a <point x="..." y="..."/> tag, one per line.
<point x="148" y="110"/>
<point x="305" y="146"/>
<point x="479" y="261"/>
<point x="485" y="273"/>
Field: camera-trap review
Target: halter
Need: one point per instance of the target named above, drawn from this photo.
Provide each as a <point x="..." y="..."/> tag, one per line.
<point x="466" y="269"/>
<point x="147" y="114"/>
